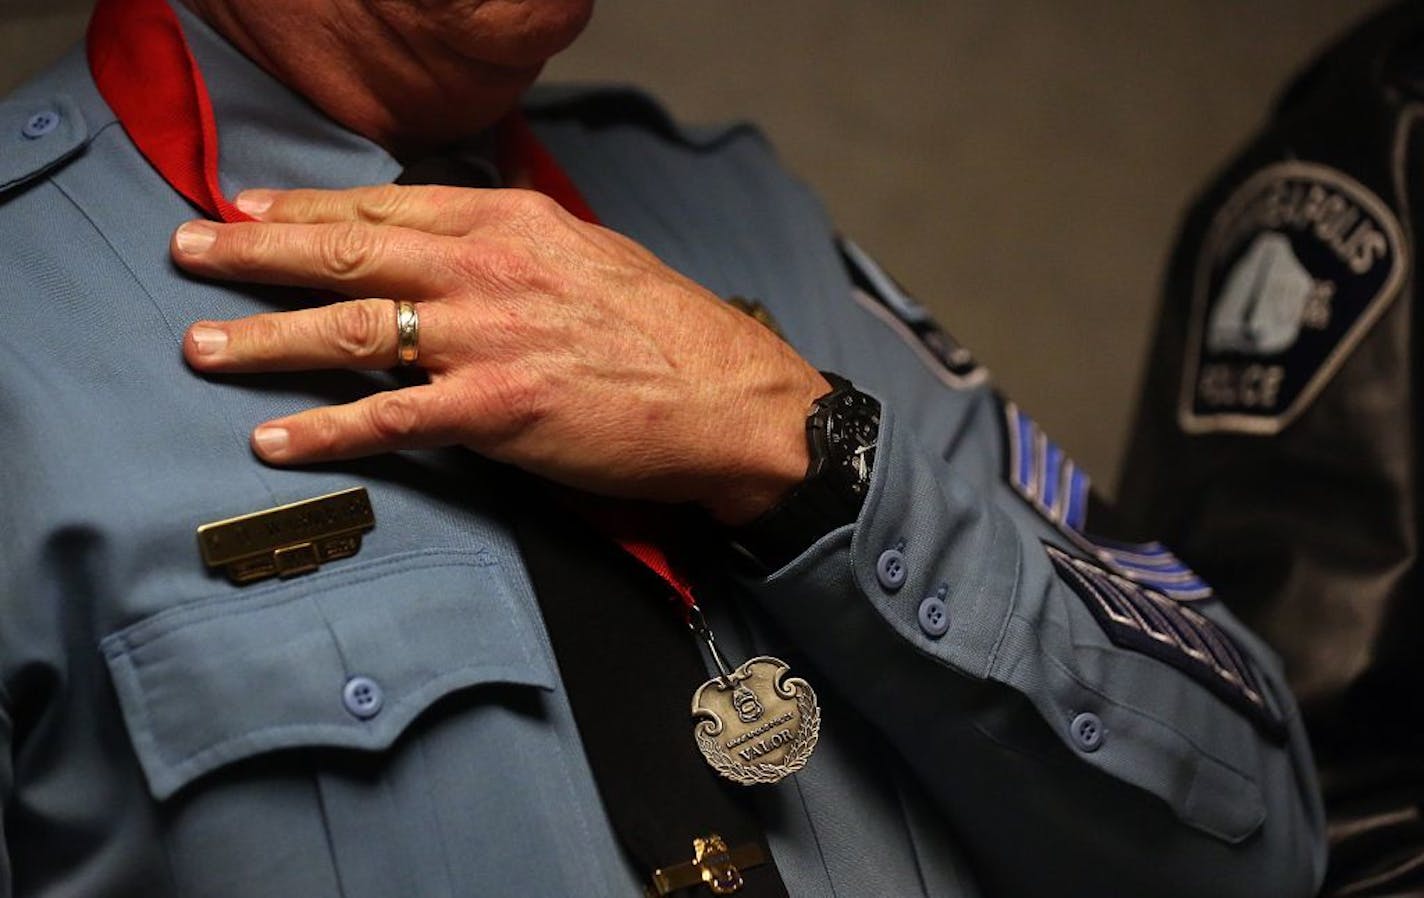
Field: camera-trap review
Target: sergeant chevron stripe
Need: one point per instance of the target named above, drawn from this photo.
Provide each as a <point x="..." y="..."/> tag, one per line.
<point x="1153" y="565"/>
<point x="1146" y="621"/>
<point x="1042" y="474"/>
<point x="1047" y="479"/>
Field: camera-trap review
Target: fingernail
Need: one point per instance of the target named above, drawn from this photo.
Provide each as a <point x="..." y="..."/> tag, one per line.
<point x="270" y="440"/>
<point x="195" y="237"/>
<point x="209" y="340"/>
<point x="255" y="202"/>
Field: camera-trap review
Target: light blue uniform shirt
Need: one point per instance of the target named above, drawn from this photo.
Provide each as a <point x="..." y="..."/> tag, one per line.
<point x="164" y="732"/>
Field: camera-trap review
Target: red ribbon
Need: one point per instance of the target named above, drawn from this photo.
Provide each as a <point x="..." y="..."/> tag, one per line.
<point x="142" y="65"/>
<point x="144" y="70"/>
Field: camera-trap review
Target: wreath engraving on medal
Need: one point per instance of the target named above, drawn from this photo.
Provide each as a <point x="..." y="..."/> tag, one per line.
<point x="756" y="724"/>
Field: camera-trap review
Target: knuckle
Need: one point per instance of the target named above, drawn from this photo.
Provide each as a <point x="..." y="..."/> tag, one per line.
<point x="522" y="208"/>
<point x="359" y="329"/>
<point x="504" y="264"/>
<point x="474" y="258"/>
<point x="535" y="208"/>
<point x="393" y="417"/>
<point x="321" y="433"/>
<point x="507" y="267"/>
<point x="348" y="249"/>
<point x="520" y="401"/>
<point x="263" y="334"/>
<point x="248" y="248"/>
<point x="380" y="204"/>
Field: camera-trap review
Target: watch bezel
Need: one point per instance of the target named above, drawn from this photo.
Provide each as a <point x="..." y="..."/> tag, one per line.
<point x="843" y="415"/>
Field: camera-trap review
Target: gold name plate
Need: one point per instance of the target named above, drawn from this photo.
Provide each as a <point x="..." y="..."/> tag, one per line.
<point x="290" y="539"/>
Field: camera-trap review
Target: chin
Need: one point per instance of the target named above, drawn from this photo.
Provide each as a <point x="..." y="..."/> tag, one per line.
<point x="520" y="35"/>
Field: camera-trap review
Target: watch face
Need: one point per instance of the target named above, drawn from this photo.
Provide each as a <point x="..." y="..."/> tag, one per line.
<point x="852" y="429"/>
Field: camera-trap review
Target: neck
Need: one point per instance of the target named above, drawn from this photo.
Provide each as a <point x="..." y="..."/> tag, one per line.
<point x="398" y="80"/>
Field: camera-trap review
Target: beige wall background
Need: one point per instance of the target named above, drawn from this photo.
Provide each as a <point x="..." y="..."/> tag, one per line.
<point x="1019" y="164"/>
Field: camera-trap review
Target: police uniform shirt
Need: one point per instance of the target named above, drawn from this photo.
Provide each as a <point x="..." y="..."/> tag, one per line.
<point x="1009" y="711"/>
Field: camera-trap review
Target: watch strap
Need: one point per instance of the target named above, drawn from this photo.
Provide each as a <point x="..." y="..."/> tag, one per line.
<point x="813" y="508"/>
<point x="773" y="540"/>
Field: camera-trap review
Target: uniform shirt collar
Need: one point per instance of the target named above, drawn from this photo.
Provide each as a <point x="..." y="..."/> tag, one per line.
<point x="269" y="136"/>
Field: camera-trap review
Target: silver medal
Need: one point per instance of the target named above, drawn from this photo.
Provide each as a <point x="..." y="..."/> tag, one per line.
<point x="754" y="724"/>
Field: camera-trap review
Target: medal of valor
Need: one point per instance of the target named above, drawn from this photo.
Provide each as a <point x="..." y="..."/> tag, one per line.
<point x="754" y="724"/>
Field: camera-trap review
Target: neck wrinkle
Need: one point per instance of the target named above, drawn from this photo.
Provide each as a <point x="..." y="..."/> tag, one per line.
<point x="370" y="76"/>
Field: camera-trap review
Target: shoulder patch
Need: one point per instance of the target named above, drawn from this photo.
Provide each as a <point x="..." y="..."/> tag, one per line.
<point x="880" y="295"/>
<point x="37" y="134"/>
<point x="1055" y="487"/>
<point x="1143" y="620"/>
<point x="1295" y="268"/>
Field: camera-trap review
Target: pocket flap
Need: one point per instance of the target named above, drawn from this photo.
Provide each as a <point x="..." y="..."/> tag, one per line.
<point x="345" y="658"/>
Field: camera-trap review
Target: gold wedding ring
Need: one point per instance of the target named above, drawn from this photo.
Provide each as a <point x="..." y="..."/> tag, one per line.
<point x="407" y="333"/>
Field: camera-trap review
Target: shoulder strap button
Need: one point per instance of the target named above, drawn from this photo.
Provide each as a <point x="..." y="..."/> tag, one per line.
<point x="41" y="124"/>
<point x="37" y="134"/>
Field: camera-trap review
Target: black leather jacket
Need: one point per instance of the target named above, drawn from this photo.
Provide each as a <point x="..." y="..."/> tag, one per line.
<point x="1276" y="442"/>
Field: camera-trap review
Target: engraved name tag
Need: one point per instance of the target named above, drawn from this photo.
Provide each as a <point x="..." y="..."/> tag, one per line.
<point x="290" y="539"/>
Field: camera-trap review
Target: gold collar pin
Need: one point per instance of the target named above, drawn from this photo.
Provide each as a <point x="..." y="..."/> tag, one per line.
<point x="713" y="865"/>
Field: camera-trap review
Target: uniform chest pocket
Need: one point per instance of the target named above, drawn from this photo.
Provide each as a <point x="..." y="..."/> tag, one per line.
<point x="342" y="659"/>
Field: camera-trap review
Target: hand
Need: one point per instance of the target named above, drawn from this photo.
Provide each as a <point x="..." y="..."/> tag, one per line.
<point x="550" y="343"/>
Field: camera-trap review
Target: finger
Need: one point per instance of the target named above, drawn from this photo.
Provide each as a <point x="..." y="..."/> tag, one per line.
<point x="419" y="417"/>
<point x="350" y="257"/>
<point x="357" y="334"/>
<point x="451" y="211"/>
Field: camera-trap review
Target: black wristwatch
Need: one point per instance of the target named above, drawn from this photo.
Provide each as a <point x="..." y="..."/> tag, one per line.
<point x="841" y="434"/>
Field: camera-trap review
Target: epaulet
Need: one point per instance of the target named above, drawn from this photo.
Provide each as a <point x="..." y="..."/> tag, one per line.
<point x="607" y="105"/>
<point x="36" y="135"/>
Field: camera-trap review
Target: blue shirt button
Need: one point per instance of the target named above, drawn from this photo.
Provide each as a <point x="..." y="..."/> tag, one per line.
<point x="1088" y="732"/>
<point x="934" y="617"/>
<point x="362" y="697"/>
<point x="40" y="124"/>
<point x="890" y="569"/>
